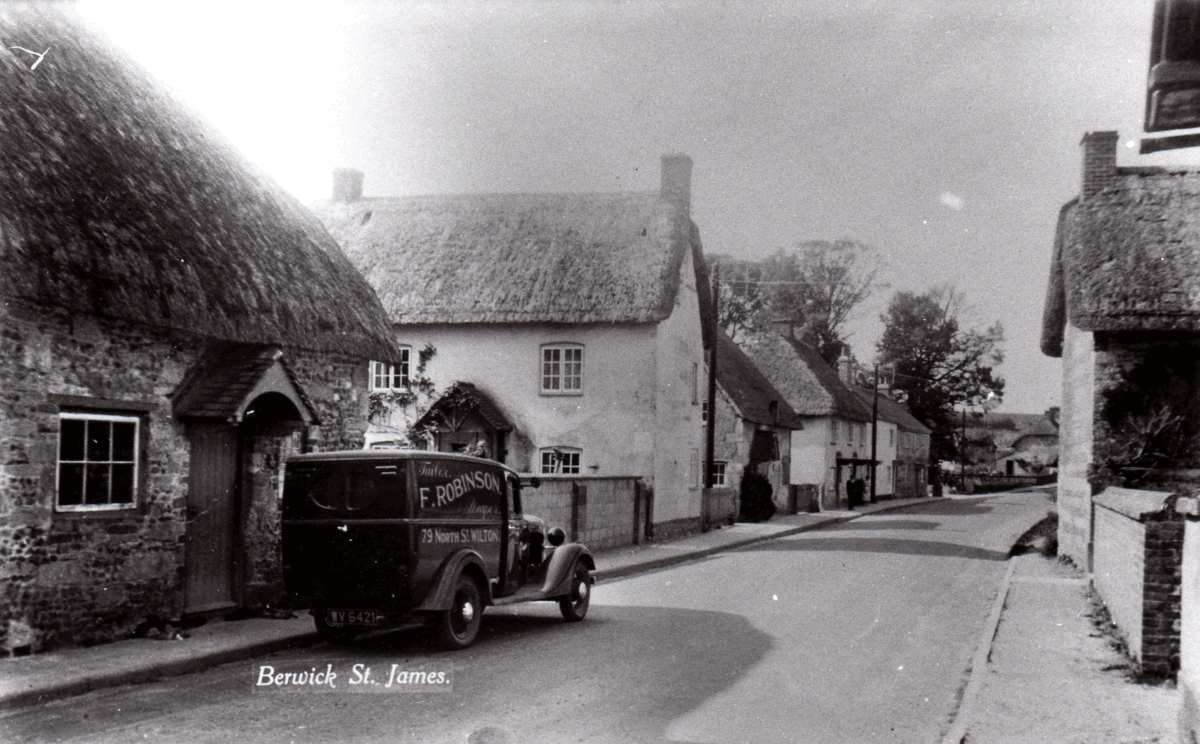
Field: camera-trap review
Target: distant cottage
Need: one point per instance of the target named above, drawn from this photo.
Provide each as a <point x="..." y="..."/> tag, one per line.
<point x="754" y="425"/>
<point x="571" y="324"/>
<point x="835" y="444"/>
<point x="172" y="324"/>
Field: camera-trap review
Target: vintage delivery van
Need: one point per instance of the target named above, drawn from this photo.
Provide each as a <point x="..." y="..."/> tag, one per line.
<point x="378" y="538"/>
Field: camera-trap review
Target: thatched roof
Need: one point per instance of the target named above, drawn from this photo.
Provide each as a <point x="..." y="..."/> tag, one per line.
<point x="1005" y="429"/>
<point x="807" y="381"/>
<point x="519" y="258"/>
<point x="1127" y="258"/>
<point x="751" y="393"/>
<point x="117" y="201"/>
<point x="892" y="411"/>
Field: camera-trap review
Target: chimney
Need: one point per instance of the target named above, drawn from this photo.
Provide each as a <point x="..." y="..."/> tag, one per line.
<point x="677" y="180"/>
<point x="1099" y="162"/>
<point x="846" y="368"/>
<point x="347" y="184"/>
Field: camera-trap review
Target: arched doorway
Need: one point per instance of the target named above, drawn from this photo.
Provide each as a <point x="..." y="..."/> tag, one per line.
<point x="242" y="410"/>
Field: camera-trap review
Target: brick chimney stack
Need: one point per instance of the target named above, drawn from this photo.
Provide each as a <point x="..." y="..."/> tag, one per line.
<point x="347" y="184"/>
<point x="677" y="180"/>
<point x="1099" y="162"/>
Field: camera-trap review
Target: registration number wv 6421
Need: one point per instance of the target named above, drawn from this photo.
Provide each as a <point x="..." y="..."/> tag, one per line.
<point x="353" y="617"/>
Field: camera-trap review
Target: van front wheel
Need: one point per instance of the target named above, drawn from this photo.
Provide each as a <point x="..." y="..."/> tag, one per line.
<point x="574" y="606"/>
<point x="459" y="625"/>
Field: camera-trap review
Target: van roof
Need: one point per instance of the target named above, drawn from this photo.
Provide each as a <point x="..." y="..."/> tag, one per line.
<point x="393" y="454"/>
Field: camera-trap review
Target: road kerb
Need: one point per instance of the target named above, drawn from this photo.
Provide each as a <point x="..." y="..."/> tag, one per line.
<point x="151" y="672"/>
<point x="692" y="555"/>
<point x="979" y="662"/>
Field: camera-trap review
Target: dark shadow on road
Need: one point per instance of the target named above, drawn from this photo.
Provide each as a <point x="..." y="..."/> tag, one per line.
<point x="623" y="674"/>
<point x="877" y="545"/>
<point x="884" y="523"/>
<point x="944" y="507"/>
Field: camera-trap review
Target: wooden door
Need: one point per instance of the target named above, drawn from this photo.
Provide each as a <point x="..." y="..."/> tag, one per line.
<point x="211" y="518"/>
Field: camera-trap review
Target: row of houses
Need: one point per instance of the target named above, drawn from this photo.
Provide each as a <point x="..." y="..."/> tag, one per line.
<point x="174" y="325"/>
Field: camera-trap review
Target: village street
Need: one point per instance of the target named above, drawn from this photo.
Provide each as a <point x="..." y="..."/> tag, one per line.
<point x="862" y="632"/>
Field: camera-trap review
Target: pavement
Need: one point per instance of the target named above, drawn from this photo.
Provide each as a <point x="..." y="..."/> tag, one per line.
<point x="1039" y="645"/>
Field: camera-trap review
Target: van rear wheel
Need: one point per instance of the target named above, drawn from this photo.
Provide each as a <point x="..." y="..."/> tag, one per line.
<point x="330" y="634"/>
<point x="459" y="625"/>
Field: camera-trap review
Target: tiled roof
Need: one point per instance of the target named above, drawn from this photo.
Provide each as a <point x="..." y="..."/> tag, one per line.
<point x="750" y="391"/>
<point x="893" y="411"/>
<point x="219" y="386"/>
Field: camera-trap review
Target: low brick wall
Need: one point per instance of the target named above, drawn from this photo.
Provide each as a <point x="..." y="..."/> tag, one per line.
<point x="598" y="511"/>
<point x="1137" y="560"/>
<point x="1189" y="615"/>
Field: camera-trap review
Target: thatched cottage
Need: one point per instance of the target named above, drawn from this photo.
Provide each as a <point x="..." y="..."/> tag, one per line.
<point x="1014" y="443"/>
<point x="1123" y="312"/>
<point x="835" y="444"/>
<point x="754" y="424"/>
<point x="578" y="316"/>
<point x="172" y="324"/>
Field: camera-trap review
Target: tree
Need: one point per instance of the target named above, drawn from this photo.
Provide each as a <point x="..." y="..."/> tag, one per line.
<point x="939" y="365"/>
<point x="814" y="287"/>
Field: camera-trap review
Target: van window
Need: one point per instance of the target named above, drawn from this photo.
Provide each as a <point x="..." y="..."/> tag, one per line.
<point x="363" y="490"/>
<point x="450" y="489"/>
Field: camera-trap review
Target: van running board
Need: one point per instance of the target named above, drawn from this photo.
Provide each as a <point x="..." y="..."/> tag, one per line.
<point x="522" y="596"/>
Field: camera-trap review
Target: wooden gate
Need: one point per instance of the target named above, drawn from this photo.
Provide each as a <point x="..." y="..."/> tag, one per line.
<point x="211" y="518"/>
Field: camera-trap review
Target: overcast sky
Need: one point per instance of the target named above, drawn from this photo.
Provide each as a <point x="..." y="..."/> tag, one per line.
<point x="943" y="133"/>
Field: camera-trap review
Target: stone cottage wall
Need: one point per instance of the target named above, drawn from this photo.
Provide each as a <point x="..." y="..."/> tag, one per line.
<point x="598" y="511"/>
<point x="1075" y="448"/>
<point x="80" y="578"/>
<point x="85" y="577"/>
<point x="336" y="387"/>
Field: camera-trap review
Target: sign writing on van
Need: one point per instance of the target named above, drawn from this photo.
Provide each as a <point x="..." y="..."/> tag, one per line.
<point x="458" y="537"/>
<point x="471" y="492"/>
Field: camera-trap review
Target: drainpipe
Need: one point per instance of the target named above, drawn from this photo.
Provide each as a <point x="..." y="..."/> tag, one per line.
<point x="710" y="444"/>
<point x="874" y="433"/>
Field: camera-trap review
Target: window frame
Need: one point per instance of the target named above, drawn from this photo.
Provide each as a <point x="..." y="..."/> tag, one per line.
<point x="571" y="468"/>
<point x="560" y="375"/>
<point x="136" y="462"/>
<point x="379" y="371"/>
<point x="720" y="468"/>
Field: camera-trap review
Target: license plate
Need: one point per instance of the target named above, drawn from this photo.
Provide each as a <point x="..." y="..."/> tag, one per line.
<point x="352" y="617"/>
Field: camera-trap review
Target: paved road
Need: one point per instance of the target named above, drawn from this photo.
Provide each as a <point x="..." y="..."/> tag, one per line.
<point x="861" y="633"/>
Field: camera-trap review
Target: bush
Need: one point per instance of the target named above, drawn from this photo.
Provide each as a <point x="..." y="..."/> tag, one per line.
<point x="757" y="504"/>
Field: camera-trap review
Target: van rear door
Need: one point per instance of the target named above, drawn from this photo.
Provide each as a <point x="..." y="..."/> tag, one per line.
<point x="345" y="533"/>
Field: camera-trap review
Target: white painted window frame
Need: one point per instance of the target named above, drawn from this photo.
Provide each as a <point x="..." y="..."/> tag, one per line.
<point x="562" y="460"/>
<point x="110" y="419"/>
<point x="386" y="376"/>
<point x="558" y="374"/>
